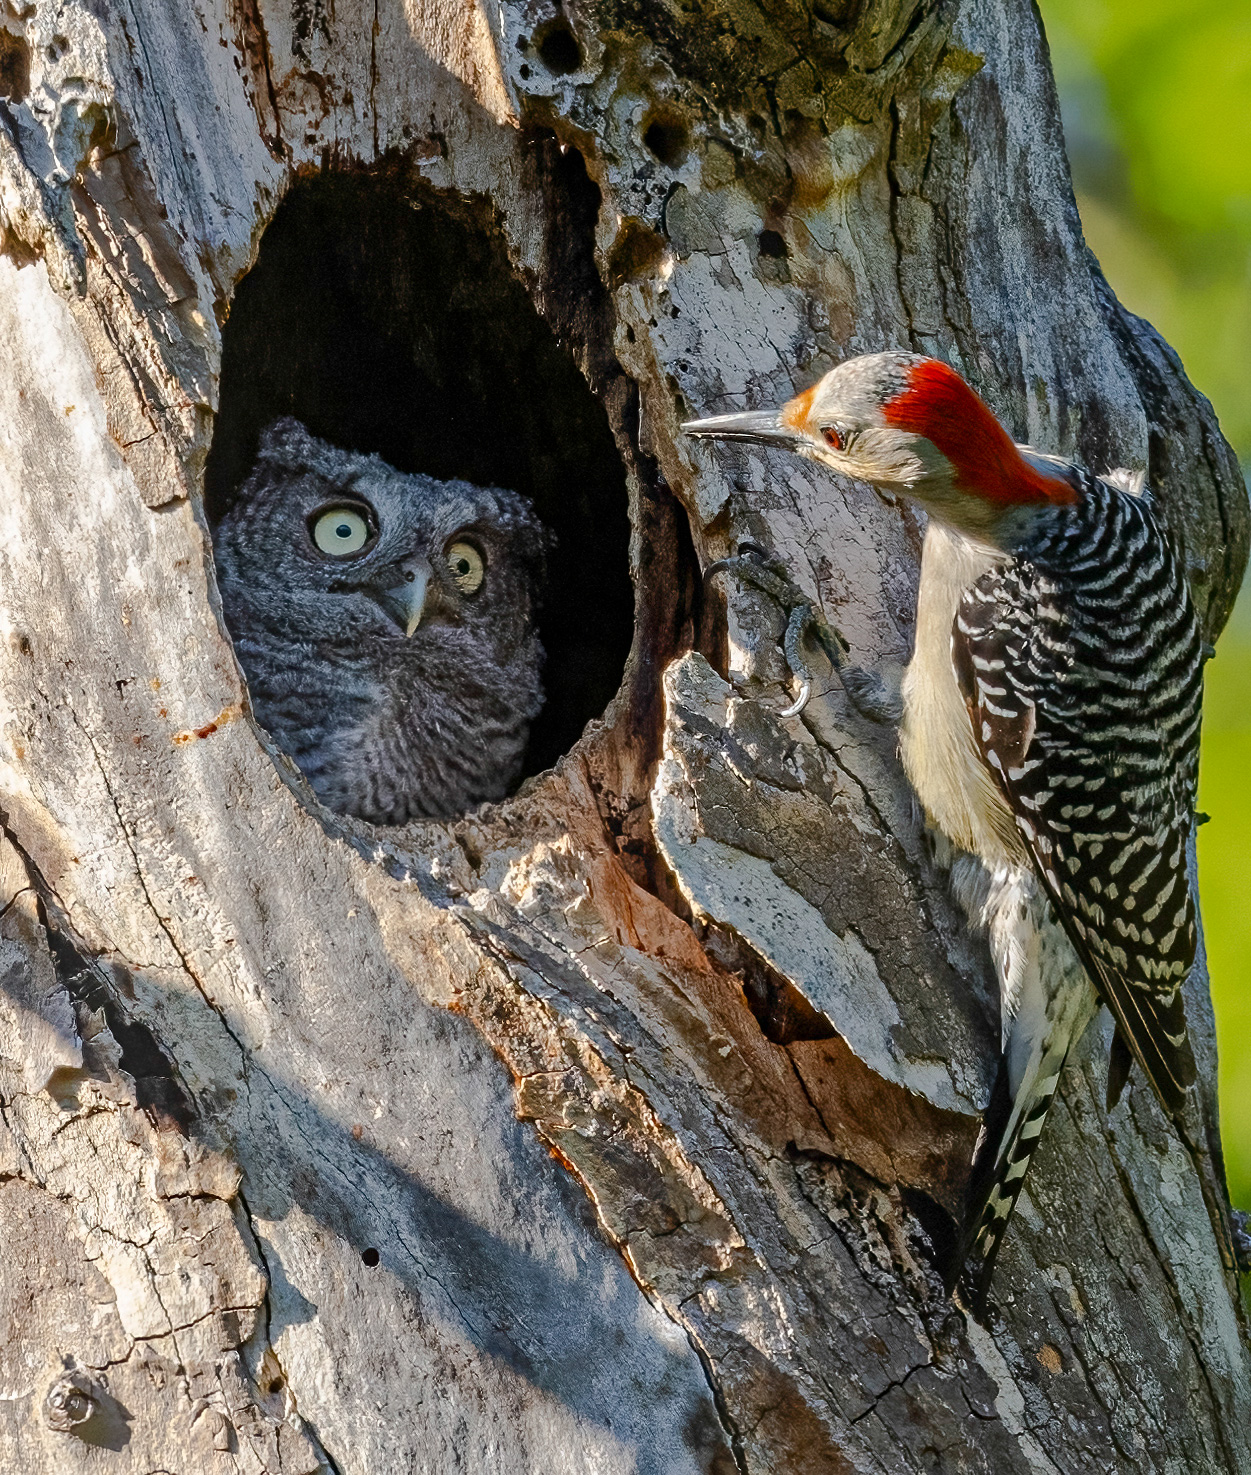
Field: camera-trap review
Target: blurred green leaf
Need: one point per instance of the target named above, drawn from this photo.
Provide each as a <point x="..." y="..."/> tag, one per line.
<point x="1156" y="96"/>
<point x="1156" y="99"/>
<point x="1225" y="875"/>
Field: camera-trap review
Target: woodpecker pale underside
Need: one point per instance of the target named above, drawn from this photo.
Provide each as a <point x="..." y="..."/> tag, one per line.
<point x="1050" y="728"/>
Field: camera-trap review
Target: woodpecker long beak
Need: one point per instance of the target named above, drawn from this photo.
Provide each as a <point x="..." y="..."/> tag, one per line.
<point x="761" y="427"/>
<point x="405" y="602"/>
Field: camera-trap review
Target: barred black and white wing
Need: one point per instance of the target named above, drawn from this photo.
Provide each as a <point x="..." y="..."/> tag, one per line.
<point x="1081" y="663"/>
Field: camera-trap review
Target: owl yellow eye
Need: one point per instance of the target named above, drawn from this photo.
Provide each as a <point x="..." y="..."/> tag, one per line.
<point x="467" y="567"/>
<point x="341" y="531"/>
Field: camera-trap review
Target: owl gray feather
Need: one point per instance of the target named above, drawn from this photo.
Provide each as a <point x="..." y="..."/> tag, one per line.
<point x="400" y="689"/>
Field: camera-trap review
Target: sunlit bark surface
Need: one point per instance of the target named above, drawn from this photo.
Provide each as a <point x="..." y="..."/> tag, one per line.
<point x="617" y="1128"/>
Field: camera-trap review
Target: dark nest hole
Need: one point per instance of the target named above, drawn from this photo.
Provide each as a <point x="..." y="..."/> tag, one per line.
<point x="392" y="322"/>
<point x="667" y="138"/>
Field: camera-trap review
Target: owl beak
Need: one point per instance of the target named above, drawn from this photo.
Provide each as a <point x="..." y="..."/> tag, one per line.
<point x="406" y="602"/>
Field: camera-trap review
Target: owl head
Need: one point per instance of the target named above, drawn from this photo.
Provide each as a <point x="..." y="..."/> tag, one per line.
<point x="342" y="552"/>
<point x="385" y="624"/>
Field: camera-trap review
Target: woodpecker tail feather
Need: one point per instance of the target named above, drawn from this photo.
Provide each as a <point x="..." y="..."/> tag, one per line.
<point x="1046" y="1002"/>
<point x="1011" y="1132"/>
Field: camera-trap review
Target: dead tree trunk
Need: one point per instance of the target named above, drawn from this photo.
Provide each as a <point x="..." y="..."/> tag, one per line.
<point x="619" y="1127"/>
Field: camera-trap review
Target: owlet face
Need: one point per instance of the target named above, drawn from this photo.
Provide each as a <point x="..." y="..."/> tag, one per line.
<point x="385" y="624"/>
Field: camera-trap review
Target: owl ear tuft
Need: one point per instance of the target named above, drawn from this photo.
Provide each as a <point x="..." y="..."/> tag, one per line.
<point x="530" y="541"/>
<point x="284" y="441"/>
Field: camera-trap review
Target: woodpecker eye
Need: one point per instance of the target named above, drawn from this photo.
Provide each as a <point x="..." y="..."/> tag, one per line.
<point x="340" y="531"/>
<point x="466" y="566"/>
<point x="833" y="438"/>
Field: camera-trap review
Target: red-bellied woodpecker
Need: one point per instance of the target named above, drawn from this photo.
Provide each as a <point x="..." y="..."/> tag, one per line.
<point x="1050" y="728"/>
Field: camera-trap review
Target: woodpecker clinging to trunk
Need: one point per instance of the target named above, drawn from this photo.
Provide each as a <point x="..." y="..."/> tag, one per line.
<point x="1050" y="729"/>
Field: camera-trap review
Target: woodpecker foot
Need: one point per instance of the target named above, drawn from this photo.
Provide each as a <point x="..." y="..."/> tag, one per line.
<point x="1240" y="1233"/>
<point x="874" y="697"/>
<point x="870" y="695"/>
<point x="754" y="566"/>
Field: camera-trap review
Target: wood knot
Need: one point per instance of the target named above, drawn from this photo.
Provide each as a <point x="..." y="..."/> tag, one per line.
<point x="69" y="1402"/>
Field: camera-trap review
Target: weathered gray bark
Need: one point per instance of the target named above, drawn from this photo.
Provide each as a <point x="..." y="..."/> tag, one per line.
<point x="651" y="1090"/>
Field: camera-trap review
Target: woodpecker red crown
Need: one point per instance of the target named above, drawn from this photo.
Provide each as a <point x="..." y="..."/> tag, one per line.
<point x="939" y="405"/>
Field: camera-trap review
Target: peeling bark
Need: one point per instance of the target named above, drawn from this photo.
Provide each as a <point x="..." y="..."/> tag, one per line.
<point x="620" y="1126"/>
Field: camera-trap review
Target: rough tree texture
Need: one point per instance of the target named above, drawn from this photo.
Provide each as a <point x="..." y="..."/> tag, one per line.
<point x="650" y="1091"/>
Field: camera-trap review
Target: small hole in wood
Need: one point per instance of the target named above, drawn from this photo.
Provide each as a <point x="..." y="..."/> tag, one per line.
<point x="370" y="1257"/>
<point x="558" y="48"/>
<point x="668" y="139"/>
<point x="14" y="67"/>
<point x="770" y="243"/>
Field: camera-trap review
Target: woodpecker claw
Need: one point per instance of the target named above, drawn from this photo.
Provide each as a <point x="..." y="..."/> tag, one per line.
<point x="764" y="571"/>
<point x="800" y="702"/>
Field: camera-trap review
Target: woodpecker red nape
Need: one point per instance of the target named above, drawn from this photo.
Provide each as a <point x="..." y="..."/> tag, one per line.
<point x="939" y="405"/>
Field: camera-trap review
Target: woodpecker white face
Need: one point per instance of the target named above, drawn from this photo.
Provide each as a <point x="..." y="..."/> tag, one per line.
<point x="908" y="425"/>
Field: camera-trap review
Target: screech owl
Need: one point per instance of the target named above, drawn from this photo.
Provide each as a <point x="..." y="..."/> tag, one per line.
<point x="385" y="626"/>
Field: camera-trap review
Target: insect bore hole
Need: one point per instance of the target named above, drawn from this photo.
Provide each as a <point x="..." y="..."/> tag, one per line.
<point x="558" y="48"/>
<point x="668" y="140"/>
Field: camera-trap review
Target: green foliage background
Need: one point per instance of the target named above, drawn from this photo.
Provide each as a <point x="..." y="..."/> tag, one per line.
<point x="1156" y="97"/>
